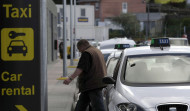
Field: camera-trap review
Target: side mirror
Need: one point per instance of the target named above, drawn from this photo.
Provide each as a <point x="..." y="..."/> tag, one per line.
<point x="108" y="80"/>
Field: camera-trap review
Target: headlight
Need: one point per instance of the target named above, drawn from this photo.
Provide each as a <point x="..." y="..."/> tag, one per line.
<point x="129" y="107"/>
<point x="10" y="48"/>
<point x="24" y="48"/>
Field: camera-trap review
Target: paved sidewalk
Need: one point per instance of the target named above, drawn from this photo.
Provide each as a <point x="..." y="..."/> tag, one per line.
<point x="60" y="96"/>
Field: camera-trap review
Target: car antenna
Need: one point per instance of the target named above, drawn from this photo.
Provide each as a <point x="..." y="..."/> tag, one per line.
<point x="161" y="47"/>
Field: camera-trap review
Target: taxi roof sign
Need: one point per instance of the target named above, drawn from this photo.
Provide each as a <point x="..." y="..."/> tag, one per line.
<point x="160" y="42"/>
<point x="121" y="46"/>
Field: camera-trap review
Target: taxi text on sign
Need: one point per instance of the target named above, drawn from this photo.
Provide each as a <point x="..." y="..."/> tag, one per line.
<point x="20" y="55"/>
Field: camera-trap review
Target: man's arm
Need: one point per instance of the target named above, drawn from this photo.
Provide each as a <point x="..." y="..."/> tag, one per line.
<point x="75" y="74"/>
<point x="83" y="65"/>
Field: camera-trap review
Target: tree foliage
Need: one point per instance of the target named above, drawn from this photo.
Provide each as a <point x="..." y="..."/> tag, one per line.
<point x="175" y="26"/>
<point x="128" y="23"/>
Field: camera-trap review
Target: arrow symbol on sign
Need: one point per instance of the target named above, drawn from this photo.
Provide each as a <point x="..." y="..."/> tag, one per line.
<point x="21" y="108"/>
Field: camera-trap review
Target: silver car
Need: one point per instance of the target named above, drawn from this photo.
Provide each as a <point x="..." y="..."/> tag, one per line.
<point x="151" y="78"/>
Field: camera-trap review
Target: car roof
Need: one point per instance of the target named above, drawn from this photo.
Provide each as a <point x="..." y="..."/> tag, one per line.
<point x="108" y="44"/>
<point x="116" y="53"/>
<point x="156" y="50"/>
<point x="107" y="51"/>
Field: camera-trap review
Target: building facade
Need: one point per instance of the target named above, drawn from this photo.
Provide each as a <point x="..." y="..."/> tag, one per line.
<point x="105" y="9"/>
<point x="85" y="23"/>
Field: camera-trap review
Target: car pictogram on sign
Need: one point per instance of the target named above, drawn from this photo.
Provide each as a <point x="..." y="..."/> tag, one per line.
<point x="17" y="46"/>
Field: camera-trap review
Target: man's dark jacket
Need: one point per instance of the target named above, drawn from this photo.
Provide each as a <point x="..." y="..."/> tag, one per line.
<point x="93" y="78"/>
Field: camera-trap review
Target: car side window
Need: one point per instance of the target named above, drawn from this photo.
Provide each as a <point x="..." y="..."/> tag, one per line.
<point x="117" y="67"/>
<point x="111" y="66"/>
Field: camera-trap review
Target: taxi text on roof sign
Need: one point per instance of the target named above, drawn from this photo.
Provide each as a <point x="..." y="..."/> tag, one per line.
<point x="121" y="46"/>
<point x="157" y="42"/>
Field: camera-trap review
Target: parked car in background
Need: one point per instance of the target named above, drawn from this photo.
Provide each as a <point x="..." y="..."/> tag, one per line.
<point x="179" y="41"/>
<point x="107" y="52"/>
<point x="118" y="46"/>
<point x="95" y="44"/>
<point x="110" y="44"/>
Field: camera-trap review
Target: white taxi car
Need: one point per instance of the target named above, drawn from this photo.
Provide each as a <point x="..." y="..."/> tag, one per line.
<point x="117" y="48"/>
<point x="107" y="52"/>
<point x="151" y="78"/>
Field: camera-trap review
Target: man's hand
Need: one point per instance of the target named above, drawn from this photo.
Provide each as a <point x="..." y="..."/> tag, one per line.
<point x="67" y="81"/>
<point x="72" y="77"/>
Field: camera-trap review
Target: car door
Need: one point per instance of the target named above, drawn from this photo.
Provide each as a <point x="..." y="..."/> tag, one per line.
<point x="112" y="70"/>
<point x="111" y="87"/>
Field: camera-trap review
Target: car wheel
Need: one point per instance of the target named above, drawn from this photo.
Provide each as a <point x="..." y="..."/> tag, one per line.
<point x="24" y="54"/>
<point x="10" y="54"/>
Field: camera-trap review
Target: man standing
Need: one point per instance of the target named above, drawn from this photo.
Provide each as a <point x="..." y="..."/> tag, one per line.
<point x="61" y="50"/>
<point x="91" y="69"/>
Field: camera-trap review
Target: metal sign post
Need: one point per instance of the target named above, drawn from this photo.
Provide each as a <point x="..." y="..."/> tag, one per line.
<point x="64" y="39"/>
<point x="20" y="71"/>
<point x="75" y="29"/>
<point x="71" y="31"/>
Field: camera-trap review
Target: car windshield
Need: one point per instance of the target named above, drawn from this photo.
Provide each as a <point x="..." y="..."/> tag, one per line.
<point x="158" y="69"/>
<point x="17" y="43"/>
<point x="178" y="42"/>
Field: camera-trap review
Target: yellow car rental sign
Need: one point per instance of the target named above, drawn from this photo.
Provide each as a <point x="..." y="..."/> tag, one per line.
<point x="20" y="55"/>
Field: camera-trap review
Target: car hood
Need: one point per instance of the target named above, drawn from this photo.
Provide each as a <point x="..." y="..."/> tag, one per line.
<point x="149" y="97"/>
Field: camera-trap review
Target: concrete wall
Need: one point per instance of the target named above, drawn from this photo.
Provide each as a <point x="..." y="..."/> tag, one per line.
<point x="51" y="31"/>
<point x="101" y="33"/>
